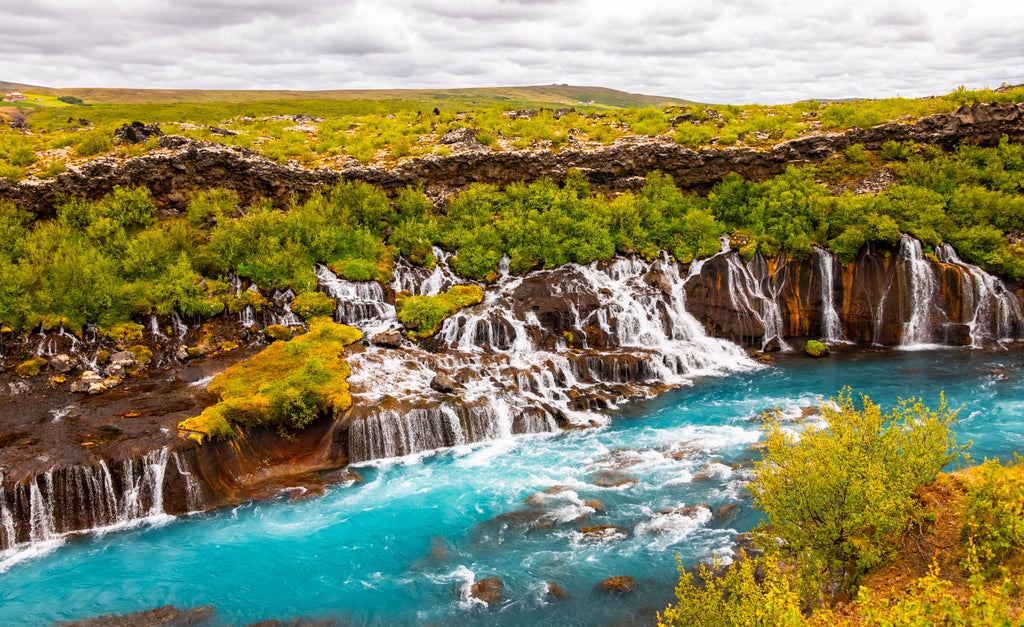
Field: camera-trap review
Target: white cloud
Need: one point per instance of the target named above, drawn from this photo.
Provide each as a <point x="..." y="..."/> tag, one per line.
<point x="737" y="51"/>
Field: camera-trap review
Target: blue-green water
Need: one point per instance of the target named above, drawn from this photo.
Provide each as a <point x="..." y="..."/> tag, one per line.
<point x="399" y="548"/>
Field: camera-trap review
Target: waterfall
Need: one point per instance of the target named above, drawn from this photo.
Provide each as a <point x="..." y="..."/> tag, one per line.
<point x="247" y="317"/>
<point x="918" y="329"/>
<point x="8" y="533"/>
<point x="79" y="499"/>
<point x="752" y="289"/>
<point x="831" y="327"/>
<point x="988" y="307"/>
<point x="419" y="280"/>
<point x="179" y="326"/>
<point x="193" y="492"/>
<point x="361" y="304"/>
<point x="154" y="328"/>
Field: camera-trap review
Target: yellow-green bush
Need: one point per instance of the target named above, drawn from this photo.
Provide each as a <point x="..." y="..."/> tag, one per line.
<point x="994" y="513"/>
<point x="749" y="592"/>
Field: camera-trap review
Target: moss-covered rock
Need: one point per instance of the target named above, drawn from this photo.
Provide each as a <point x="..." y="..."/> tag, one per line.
<point x="423" y="315"/>
<point x="30" y="368"/>
<point x="313" y="305"/>
<point x="815" y="348"/>
<point x="275" y="332"/>
<point x="286" y="386"/>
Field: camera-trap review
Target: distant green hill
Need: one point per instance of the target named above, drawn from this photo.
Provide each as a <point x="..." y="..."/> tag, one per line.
<point x="540" y="95"/>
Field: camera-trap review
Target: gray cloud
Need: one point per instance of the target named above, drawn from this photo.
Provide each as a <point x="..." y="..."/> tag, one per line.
<point x="735" y="51"/>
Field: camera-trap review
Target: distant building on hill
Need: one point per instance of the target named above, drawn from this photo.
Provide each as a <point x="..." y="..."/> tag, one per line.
<point x="14" y="96"/>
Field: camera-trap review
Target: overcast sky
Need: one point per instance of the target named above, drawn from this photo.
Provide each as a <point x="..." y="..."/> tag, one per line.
<point x="743" y="51"/>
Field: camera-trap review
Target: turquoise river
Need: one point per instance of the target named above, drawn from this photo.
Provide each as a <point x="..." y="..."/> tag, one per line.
<point x="403" y="546"/>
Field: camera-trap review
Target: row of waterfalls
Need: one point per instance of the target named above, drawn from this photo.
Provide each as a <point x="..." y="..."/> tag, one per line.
<point x="554" y="349"/>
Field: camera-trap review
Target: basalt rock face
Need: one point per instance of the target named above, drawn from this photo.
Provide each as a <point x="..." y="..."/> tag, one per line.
<point x="885" y="298"/>
<point x="185" y="165"/>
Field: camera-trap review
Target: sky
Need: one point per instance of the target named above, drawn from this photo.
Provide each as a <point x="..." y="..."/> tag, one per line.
<point x="742" y="51"/>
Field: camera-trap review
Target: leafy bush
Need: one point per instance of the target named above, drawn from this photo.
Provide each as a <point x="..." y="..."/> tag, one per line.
<point x="71" y="100"/>
<point x="94" y="143"/>
<point x="839" y="497"/>
<point x="994" y="513"/>
<point x="748" y="592"/>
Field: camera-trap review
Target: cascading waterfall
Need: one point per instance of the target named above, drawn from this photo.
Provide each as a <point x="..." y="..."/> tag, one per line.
<point x="154" y="328"/>
<point x="178" y="325"/>
<point x="513" y="366"/>
<point x="193" y="492"/>
<point x="247" y="317"/>
<point x="988" y="307"/>
<point x="360" y="303"/>
<point x="418" y="280"/>
<point x="831" y="326"/>
<point x="83" y="498"/>
<point x="918" y="329"/>
<point x="753" y="290"/>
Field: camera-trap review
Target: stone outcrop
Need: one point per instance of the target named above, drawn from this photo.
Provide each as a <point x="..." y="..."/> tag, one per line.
<point x="185" y="165"/>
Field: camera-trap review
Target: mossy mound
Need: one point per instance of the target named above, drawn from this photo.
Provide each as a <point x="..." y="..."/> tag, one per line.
<point x="815" y="348"/>
<point x="30" y="368"/>
<point x="313" y="305"/>
<point x="286" y="386"/>
<point x="423" y="315"/>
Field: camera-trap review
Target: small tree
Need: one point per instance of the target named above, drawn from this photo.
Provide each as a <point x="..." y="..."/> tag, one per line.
<point x="839" y="497"/>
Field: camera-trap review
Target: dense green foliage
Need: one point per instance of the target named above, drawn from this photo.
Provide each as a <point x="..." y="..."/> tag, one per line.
<point x="286" y="386"/>
<point x="423" y="315"/>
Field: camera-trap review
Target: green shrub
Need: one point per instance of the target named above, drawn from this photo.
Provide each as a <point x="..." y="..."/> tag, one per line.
<point x="94" y="143"/>
<point x="839" y="497"/>
<point x="71" y="100"/>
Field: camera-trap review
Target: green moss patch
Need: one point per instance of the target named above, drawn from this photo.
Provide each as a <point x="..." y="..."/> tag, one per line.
<point x="313" y="305"/>
<point x="30" y="368"/>
<point x="286" y="386"/>
<point x="423" y="315"/>
<point x="815" y="348"/>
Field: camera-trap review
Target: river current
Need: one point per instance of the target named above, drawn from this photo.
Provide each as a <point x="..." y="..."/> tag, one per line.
<point x="404" y="546"/>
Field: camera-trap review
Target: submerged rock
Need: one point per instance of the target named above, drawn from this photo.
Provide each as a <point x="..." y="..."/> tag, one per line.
<point x="166" y="616"/>
<point x="488" y="590"/>
<point x="619" y="584"/>
<point x="556" y="592"/>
